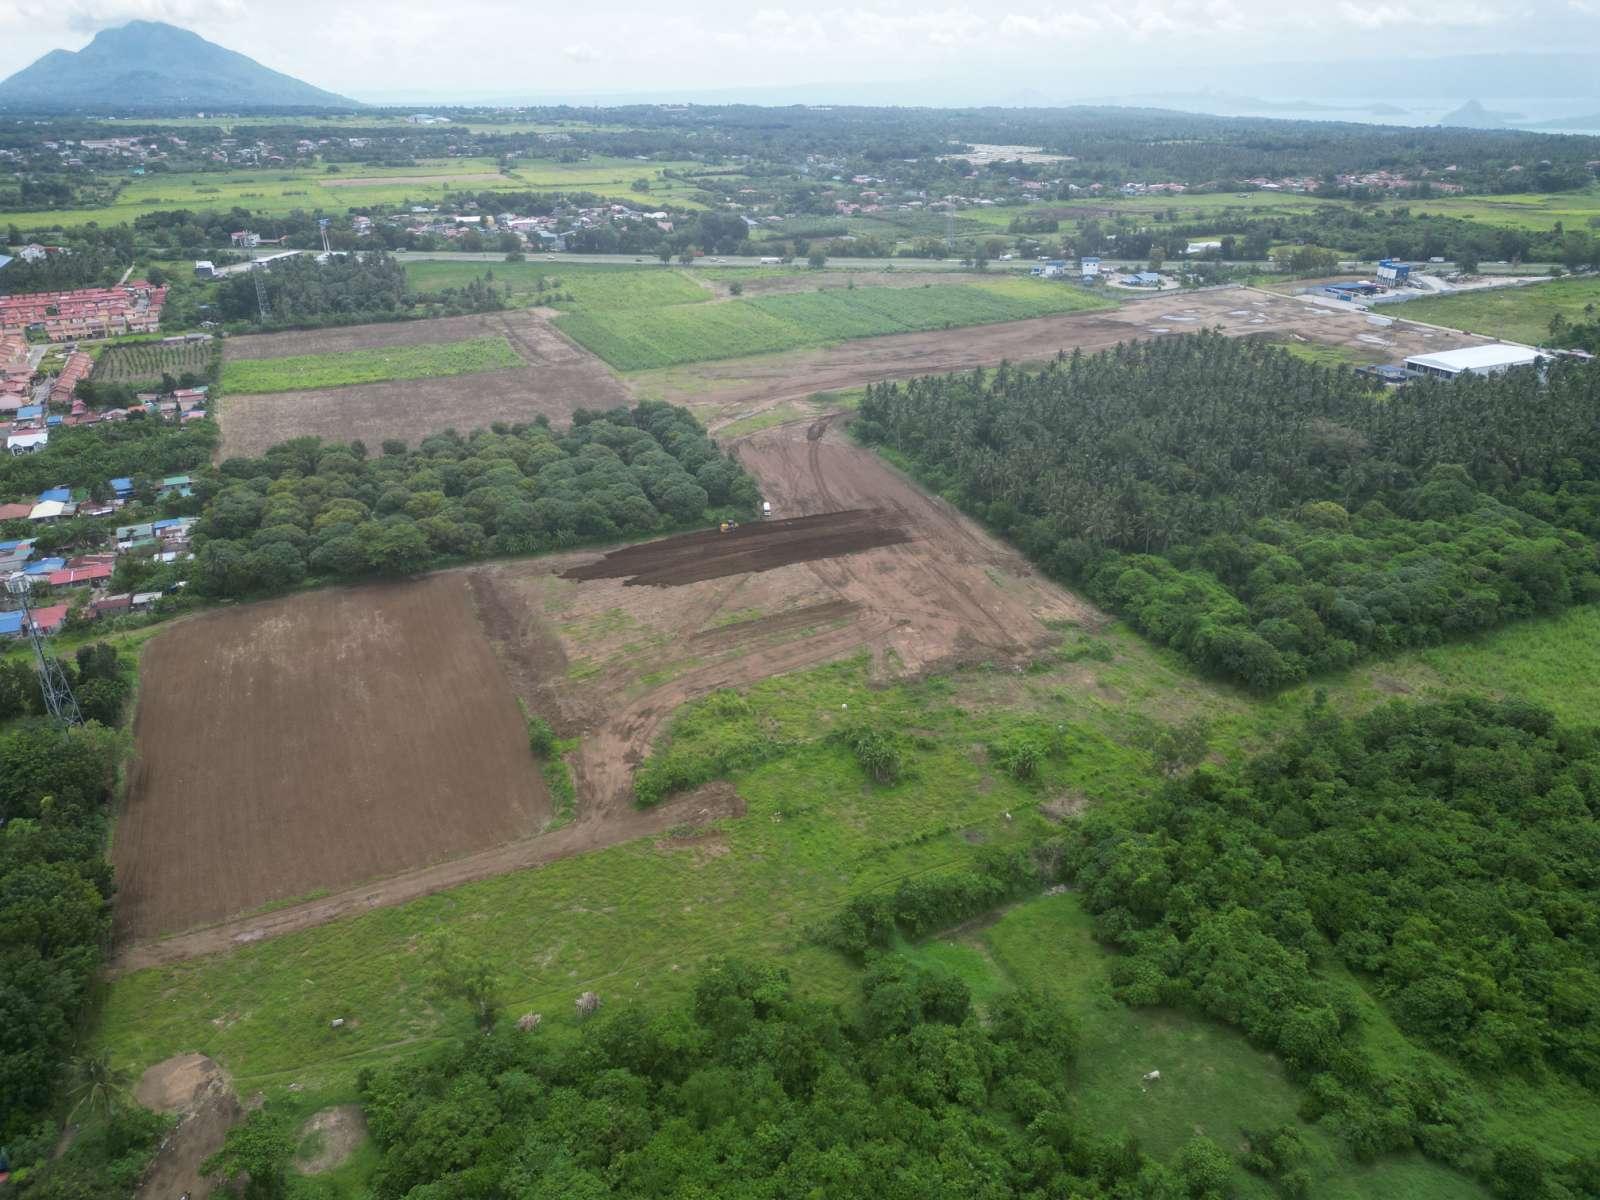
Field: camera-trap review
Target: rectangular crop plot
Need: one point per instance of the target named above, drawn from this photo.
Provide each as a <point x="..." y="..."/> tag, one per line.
<point x="428" y="360"/>
<point x="634" y="340"/>
<point x="136" y="362"/>
<point x="312" y="742"/>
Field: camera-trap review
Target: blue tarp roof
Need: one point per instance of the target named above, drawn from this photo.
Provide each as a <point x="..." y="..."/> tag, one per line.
<point x="167" y="522"/>
<point x="10" y="622"/>
<point x="28" y="411"/>
<point x="58" y="493"/>
<point x="52" y="420"/>
<point x="122" y="484"/>
<point x="5" y="547"/>
<point x="5" y="261"/>
<point x="44" y="566"/>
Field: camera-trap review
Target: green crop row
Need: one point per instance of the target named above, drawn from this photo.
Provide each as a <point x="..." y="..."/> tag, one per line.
<point x="639" y="339"/>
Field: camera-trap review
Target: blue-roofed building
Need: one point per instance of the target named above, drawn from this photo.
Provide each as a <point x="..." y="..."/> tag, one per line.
<point x="1145" y="279"/>
<point x="56" y="493"/>
<point x="44" y="566"/>
<point x="30" y="412"/>
<point x="53" y="419"/>
<point x="10" y="622"/>
<point x="122" y="487"/>
<point x="5" y="261"/>
<point x="8" y="546"/>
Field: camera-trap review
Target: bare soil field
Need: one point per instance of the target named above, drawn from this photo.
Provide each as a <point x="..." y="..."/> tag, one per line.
<point x="872" y="565"/>
<point x="734" y="389"/>
<point x="197" y="1091"/>
<point x="857" y="561"/>
<point x="308" y="743"/>
<point x="559" y="377"/>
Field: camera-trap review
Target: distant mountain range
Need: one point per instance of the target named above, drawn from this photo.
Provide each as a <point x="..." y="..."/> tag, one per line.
<point x="147" y="65"/>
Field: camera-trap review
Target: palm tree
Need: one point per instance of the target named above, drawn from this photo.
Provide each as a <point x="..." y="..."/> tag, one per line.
<point x="97" y="1085"/>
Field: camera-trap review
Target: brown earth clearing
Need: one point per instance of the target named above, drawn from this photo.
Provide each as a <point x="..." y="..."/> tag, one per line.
<point x="735" y="389"/>
<point x="309" y="743"/>
<point x="761" y="546"/>
<point x="559" y="377"/>
<point x="197" y="1091"/>
<point x="329" y="1137"/>
<point x="613" y="662"/>
<point x="603" y="660"/>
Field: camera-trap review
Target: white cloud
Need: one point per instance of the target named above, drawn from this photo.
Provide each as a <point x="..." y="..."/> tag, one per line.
<point x="580" y="52"/>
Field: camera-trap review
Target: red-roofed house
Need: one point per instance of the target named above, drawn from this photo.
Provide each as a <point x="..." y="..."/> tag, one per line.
<point x="14" y="512"/>
<point x="50" y="618"/>
<point x="69" y="576"/>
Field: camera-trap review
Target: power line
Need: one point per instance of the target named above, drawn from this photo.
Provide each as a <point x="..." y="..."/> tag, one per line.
<point x="53" y="683"/>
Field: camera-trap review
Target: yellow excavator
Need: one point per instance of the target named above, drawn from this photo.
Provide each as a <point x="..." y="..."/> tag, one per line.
<point x="728" y="527"/>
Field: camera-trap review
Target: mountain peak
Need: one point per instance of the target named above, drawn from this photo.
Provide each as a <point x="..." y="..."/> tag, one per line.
<point x="145" y="65"/>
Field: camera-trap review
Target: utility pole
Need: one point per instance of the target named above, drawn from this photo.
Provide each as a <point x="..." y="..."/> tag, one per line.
<point x="58" y="697"/>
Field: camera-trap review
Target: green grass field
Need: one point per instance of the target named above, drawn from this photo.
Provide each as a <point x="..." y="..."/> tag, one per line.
<point x="592" y="287"/>
<point x="643" y="339"/>
<point x="281" y="190"/>
<point x="1521" y="314"/>
<point x="427" y="361"/>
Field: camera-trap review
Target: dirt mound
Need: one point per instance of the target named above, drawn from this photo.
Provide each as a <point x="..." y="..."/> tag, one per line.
<point x="179" y="1084"/>
<point x="331" y="1136"/>
<point x="197" y="1089"/>
<point x="764" y="546"/>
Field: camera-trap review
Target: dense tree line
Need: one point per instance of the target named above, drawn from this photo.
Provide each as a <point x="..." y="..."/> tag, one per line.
<point x="332" y="512"/>
<point x="748" y="1091"/>
<point x="1444" y="852"/>
<point x="346" y="289"/>
<point x="1367" y="232"/>
<point x="1266" y="517"/>
<point x="55" y="913"/>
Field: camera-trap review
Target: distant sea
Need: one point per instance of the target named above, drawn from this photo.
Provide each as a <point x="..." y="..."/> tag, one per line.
<point x="1519" y="112"/>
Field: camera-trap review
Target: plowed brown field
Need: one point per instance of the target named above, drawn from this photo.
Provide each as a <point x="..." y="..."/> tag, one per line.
<point x="312" y="742"/>
<point x="763" y="546"/>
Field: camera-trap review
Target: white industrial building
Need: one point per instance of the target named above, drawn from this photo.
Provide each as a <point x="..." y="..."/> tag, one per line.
<point x="1475" y="360"/>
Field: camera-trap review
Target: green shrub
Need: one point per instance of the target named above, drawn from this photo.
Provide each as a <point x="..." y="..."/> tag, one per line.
<point x="877" y="752"/>
<point x="1022" y="750"/>
<point x="541" y="738"/>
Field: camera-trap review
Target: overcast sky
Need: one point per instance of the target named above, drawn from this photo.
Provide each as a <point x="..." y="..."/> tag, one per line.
<point x="365" y="48"/>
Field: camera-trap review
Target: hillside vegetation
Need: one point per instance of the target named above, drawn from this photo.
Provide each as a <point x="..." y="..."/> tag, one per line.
<point x="1264" y="516"/>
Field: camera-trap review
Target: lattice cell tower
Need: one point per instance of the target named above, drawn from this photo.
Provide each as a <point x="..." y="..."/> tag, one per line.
<point x="58" y="697"/>
<point x="261" y="291"/>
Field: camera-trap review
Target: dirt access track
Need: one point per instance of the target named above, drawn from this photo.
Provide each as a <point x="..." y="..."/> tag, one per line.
<point x="308" y="743"/>
<point x="735" y="389"/>
<point x="885" y="571"/>
<point x="558" y="378"/>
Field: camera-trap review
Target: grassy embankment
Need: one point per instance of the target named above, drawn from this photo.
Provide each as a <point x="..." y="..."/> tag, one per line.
<point x="427" y="360"/>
